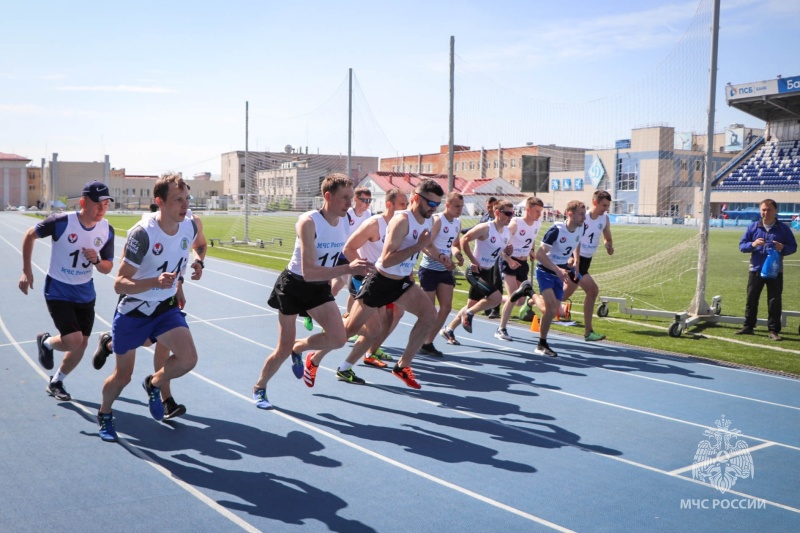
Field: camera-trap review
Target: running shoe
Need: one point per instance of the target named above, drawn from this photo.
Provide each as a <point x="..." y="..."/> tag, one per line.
<point x="544" y="349"/>
<point x="260" y="396"/>
<point x="352" y="339"/>
<point x="593" y="337"/>
<point x="102" y="352"/>
<point x="56" y="390"/>
<point x="380" y="354"/>
<point x="449" y="336"/>
<point x="371" y="360"/>
<point x="466" y="321"/>
<point x="106" y="423"/>
<point x="495" y="313"/>
<point x="526" y="289"/>
<point x="567" y="311"/>
<point x="45" y="353"/>
<point x="297" y="365"/>
<point x="153" y="398"/>
<point x="430" y="349"/>
<point x="349" y="376"/>
<point x="502" y="334"/>
<point x="310" y="371"/>
<point x="526" y="312"/>
<point x="407" y="375"/>
<point x="308" y="323"/>
<point x="173" y="409"/>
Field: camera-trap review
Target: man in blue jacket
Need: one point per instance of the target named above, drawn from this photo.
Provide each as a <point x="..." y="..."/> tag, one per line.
<point x="759" y="238"/>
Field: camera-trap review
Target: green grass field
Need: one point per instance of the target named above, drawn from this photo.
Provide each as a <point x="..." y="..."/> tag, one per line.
<point x="654" y="267"/>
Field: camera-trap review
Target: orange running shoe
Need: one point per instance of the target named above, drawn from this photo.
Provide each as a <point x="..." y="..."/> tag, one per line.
<point x="310" y="372"/>
<point x="407" y="375"/>
<point x="374" y="361"/>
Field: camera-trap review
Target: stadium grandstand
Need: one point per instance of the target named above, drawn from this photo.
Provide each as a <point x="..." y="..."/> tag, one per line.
<point x="769" y="165"/>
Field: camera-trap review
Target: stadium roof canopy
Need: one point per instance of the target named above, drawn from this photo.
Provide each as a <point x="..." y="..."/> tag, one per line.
<point x="768" y="100"/>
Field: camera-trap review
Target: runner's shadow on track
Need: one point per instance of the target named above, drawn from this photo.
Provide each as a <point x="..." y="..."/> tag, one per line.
<point x="646" y="363"/>
<point x="512" y="358"/>
<point x="542" y="435"/>
<point x="211" y="437"/>
<point x="414" y="439"/>
<point x="468" y="380"/>
<point x="267" y="495"/>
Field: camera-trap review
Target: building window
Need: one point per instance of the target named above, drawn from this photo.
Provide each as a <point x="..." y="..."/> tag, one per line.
<point x="242" y="168"/>
<point x="698" y="165"/>
<point x="505" y="163"/>
<point x="513" y="163"/>
<point x="627" y="174"/>
<point x="495" y="163"/>
<point x="472" y="165"/>
<point x="683" y="164"/>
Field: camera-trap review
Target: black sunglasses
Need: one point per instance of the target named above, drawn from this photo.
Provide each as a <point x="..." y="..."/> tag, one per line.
<point x="365" y="199"/>
<point x="508" y="213"/>
<point x="431" y="203"/>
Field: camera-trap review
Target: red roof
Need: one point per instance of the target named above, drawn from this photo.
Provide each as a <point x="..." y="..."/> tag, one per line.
<point x="13" y="157"/>
<point x="407" y="181"/>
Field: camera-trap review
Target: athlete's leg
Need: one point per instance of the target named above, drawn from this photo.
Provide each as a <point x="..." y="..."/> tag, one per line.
<point x="417" y="303"/>
<point x="287" y="329"/>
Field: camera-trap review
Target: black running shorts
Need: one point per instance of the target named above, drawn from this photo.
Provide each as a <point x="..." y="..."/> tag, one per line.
<point x="70" y="317"/>
<point x="293" y="295"/>
<point x="490" y="276"/>
<point x="379" y="290"/>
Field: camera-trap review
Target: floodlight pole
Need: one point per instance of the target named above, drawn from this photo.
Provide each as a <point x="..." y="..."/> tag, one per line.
<point x="349" y="121"/>
<point x="246" y="170"/>
<point x="450" y="176"/>
<point x="699" y="305"/>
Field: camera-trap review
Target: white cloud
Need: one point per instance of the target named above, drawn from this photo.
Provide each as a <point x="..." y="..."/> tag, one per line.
<point x="23" y="109"/>
<point x="116" y="88"/>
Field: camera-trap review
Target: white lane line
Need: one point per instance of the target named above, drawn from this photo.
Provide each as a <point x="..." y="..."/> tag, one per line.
<point x="90" y="414"/>
<point x="708" y="462"/>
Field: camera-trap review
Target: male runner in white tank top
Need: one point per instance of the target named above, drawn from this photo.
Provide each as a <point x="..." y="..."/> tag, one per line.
<point x="516" y="269"/>
<point x="155" y="254"/>
<point x="595" y="226"/>
<point x="436" y="269"/>
<point x="305" y="285"/>
<point x="491" y="243"/>
<point x="83" y="241"/>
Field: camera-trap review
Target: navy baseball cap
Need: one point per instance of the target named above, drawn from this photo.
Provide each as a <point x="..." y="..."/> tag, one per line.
<point x="96" y="191"/>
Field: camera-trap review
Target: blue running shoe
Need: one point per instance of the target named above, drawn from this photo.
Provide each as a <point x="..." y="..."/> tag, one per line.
<point x="297" y="365"/>
<point x="260" y="396"/>
<point x="106" y="423"/>
<point x="153" y="398"/>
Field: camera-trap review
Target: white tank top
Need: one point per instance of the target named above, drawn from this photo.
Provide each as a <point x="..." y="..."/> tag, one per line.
<point x="328" y="242"/>
<point x="592" y="234"/>
<point x="67" y="263"/>
<point x="152" y="251"/>
<point x="488" y="250"/>
<point x="561" y="243"/>
<point x="523" y="239"/>
<point x="415" y="229"/>
<point x="371" y="250"/>
<point x="354" y="221"/>
<point x="449" y="232"/>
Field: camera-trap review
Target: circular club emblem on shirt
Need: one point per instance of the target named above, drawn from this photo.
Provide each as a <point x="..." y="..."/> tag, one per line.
<point x="98" y="242"/>
<point x="184" y="243"/>
<point x="158" y="248"/>
<point x="493" y="239"/>
<point x="563" y="239"/>
<point x="415" y="234"/>
<point x="522" y="232"/>
<point x="73" y="238"/>
<point x="447" y="229"/>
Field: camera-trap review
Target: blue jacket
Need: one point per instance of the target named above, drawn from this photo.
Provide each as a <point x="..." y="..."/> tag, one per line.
<point x="778" y="232"/>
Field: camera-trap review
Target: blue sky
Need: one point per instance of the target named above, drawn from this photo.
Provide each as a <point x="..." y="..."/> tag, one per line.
<point x="161" y="85"/>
